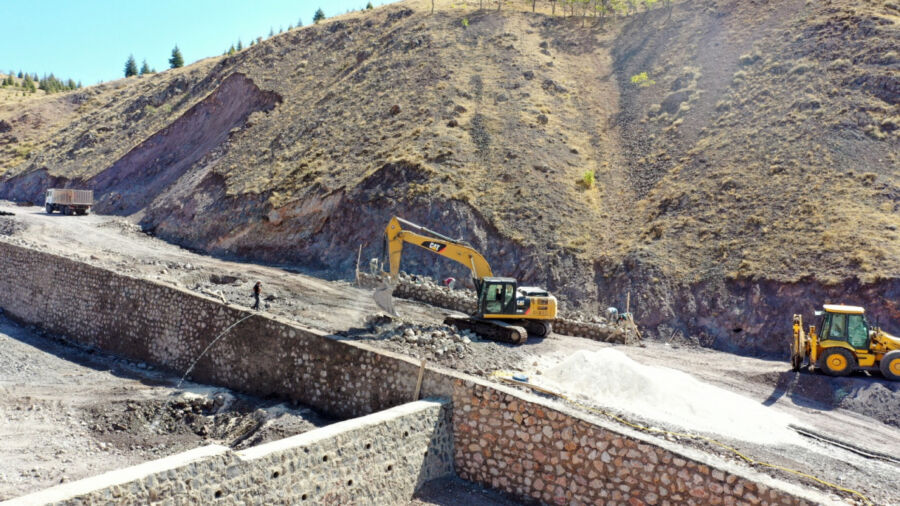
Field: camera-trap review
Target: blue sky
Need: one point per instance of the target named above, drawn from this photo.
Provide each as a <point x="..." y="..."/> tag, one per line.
<point x="89" y="40"/>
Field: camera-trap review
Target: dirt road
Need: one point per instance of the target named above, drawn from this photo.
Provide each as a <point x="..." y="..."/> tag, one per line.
<point x="860" y="410"/>
<point x="116" y="243"/>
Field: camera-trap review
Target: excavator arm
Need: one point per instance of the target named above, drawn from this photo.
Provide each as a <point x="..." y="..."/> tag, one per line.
<point x="399" y="231"/>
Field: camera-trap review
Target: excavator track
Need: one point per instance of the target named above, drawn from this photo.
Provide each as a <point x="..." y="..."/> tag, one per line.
<point x="494" y="330"/>
<point x="537" y="328"/>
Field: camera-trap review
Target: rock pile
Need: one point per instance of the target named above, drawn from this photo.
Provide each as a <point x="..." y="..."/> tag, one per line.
<point x="432" y="341"/>
<point x="424" y="289"/>
<point x="9" y="226"/>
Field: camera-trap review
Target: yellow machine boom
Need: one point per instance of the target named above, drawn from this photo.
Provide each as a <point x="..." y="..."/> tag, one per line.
<point x="506" y="311"/>
<point x="400" y="231"/>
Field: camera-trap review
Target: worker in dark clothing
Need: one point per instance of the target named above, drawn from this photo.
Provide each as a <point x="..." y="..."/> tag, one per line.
<point x="257" y="288"/>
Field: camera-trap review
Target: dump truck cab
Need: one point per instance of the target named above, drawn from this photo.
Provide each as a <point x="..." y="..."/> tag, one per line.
<point x="846" y="342"/>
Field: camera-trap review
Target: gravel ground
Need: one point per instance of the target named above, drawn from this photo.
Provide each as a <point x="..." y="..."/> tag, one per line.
<point x="859" y="409"/>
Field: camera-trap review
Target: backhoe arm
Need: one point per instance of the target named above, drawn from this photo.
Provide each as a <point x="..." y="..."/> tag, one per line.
<point x="399" y="231"/>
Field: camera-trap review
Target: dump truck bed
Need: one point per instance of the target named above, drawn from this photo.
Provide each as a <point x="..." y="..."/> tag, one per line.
<point x="70" y="197"/>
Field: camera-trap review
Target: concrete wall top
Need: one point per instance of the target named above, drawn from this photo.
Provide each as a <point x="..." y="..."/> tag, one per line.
<point x="118" y="477"/>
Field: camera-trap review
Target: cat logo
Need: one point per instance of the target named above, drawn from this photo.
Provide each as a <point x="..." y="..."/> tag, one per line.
<point x="434" y="246"/>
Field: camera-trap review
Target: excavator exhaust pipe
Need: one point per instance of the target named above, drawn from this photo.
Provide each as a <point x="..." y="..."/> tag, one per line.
<point x="384" y="297"/>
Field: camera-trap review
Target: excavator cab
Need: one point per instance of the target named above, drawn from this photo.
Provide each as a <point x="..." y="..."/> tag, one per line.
<point x="498" y="297"/>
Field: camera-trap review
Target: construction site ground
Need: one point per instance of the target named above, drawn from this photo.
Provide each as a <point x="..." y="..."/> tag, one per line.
<point x="70" y="413"/>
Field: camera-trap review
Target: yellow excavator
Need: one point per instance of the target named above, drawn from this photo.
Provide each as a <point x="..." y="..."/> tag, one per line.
<point x="846" y="343"/>
<point x="505" y="312"/>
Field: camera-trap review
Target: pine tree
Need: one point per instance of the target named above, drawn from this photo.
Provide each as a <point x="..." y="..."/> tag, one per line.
<point x="239" y="45"/>
<point x="299" y="22"/>
<point x="145" y="69"/>
<point x="28" y="84"/>
<point x="369" y="6"/>
<point x="20" y="76"/>
<point x="130" y="66"/>
<point x="70" y="84"/>
<point x="318" y="16"/>
<point x="271" y="32"/>
<point x="231" y="50"/>
<point x="176" y="61"/>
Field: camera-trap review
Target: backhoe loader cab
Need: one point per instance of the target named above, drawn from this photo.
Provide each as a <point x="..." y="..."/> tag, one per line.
<point x="845" y="324"/>
<point x="845" y="343"/>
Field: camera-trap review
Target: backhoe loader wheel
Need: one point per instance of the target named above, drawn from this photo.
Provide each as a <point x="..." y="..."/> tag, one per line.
<point x="890" y="365"/>
<point x="837" y="362"/>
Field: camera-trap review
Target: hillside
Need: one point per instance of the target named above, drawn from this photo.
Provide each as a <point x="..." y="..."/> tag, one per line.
<point x="755" y="174"/>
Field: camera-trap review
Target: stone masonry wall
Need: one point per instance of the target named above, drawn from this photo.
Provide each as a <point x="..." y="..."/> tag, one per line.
<point x="529" y="450"/>
<point x="170" y="327"/>
<point x="377" y="459"/>
<point x="528" y="446"/>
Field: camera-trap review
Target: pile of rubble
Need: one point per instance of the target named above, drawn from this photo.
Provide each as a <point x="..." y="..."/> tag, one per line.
<point x="432" y="341"/>
<point x="10" y="226"/>
<point x="424" y="289"/>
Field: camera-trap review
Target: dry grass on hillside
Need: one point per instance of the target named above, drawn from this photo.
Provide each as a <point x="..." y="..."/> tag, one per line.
<point x="765" y="146"/>
<point x="794" y="171"/>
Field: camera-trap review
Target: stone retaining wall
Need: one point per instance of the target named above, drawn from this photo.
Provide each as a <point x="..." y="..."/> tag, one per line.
<point x="377" y="459"/>
<point x="526" y="445"/>
<point x="464" y="301"/>
<point x="170" y="327"/>
<point x="529" y="449"/>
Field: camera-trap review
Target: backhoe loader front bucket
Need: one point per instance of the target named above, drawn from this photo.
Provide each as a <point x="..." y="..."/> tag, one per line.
<point x="384" y="297"/>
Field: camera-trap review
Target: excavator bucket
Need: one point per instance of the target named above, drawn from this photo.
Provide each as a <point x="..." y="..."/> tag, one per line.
<point x="384" y="298"/>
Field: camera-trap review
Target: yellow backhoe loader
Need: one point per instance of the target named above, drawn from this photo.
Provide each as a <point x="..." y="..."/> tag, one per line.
<point x="846" y="343"/>
<point x="506" y="311"/>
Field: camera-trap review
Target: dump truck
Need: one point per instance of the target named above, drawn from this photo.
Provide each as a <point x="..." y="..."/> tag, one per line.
<point x="846" y="343"/>
<point x="68" y="201"/>
<point x="506" y="311"/>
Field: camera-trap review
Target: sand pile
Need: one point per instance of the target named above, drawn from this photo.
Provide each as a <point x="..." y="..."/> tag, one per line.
<point x="672" y="398"/>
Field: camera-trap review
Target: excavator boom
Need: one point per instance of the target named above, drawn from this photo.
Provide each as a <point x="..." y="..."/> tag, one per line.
<point x="505" y="311"/>
<point x="400" y="231"/>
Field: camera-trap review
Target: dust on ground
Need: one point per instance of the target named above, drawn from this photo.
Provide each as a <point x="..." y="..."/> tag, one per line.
<point x="70" y="412"/>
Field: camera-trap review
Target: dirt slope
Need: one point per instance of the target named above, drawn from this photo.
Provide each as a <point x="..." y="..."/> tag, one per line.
<point x="755" y="177"/>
